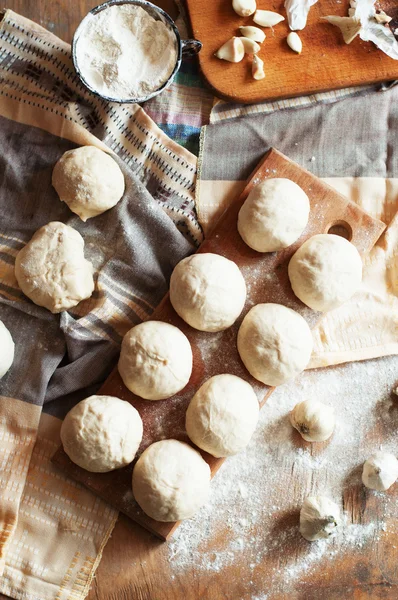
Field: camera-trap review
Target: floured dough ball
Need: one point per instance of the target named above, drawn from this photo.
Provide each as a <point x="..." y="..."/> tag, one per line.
<point x="7" y="348"/>
<point x="274" y="215"/>
<point x="171" y="481"/>
<point x="325" y="271"/>
<point x="207" y="291"/>
<point x="155" y="360"/>
<point x="88" y="180"/>
<point x="102" y="433"/>
<point x="51" y="269"/>
<point x="222" y="415"/>
<point x="380" y="471"/>
<point x="274" y="343"/>
<point x="319" y="518"/>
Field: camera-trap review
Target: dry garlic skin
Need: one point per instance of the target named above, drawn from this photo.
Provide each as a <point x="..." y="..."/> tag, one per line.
<point x="319" y="518"/>
<point x="314" y="420"/>
<point x="380" y="471"/>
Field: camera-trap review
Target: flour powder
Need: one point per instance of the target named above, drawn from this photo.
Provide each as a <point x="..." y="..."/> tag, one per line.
<point x="123" y="52"/>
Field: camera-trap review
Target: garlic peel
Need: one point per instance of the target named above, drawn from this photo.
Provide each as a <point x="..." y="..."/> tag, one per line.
<point x="313" y="420"/>
<point x="250" y="46"/>
<point x="232" y="51"/>
<point x="349" y="26"/>
<point x="257" y="68"/>
<point x="297" y="13"/>
<point x="294" y="42"/>
<point x="319" y="518"/>
<point x="267" y="18"/>
<point x="254" y="33"/>
<point x="244" y="8"/>
<point x="380" y="471"/>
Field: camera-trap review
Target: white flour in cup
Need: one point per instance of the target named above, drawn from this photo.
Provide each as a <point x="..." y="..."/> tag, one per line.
<point x="123" y="52"/>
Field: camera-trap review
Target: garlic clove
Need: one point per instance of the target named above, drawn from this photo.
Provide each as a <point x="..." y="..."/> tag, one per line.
<point x="294" y="42"/>
<point x="250" y="46"/>
<point x="313" y="420"/>
<point x="267" y="18"/>
<point x="297" y="12"/>
<point x="319" y="518"/>
<point x="258" y="68"/>
<point x="254" y="33"/>
<point x="380" y="471"/>
<point x="232" y="51"/>
<point x="244" y="8"/>
<point x="349" y="26"/>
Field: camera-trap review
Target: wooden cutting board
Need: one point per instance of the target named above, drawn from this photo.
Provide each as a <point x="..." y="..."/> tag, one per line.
<point x="267" y="281"/>
<point x="325" y="63"/>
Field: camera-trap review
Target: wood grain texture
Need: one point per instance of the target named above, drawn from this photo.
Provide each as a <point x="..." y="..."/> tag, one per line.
<point x="62" y="17"/>
<point x="267" y="281"/>
<point x="326" y="62"/>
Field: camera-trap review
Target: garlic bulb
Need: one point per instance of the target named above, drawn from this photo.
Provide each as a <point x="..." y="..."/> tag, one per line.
<point x="294" y="42"/>
<point x="250" y="46"/>
<point x="257" y="68"/>
<point x="267" y="18"/>
<point x="232" y="51"/>
<point x="319" y="517"/>
<point x="254" y="33"/>
<point x="313" y="420"/>
<point x="380" y="471"/>
<point x="244" y="8"/>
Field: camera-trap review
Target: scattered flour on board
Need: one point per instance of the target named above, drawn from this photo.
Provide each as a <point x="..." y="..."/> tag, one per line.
<point x="255" y="498"/>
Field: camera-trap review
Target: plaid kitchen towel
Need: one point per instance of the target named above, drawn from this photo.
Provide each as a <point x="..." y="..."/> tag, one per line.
<point x="52" y="531"/>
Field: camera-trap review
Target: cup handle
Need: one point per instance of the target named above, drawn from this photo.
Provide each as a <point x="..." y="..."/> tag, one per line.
<point x="190" y="47"/>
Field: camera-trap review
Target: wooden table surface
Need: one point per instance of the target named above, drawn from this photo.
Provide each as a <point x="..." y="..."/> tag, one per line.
<point x="135" y="564"/>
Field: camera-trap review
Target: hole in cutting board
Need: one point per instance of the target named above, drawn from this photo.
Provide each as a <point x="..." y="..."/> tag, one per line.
<point x="341" y="228"/>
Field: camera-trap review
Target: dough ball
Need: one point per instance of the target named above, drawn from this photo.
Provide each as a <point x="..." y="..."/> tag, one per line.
<point x="51" y="269"/>
<point x="88" y="180"/>
<point x="325" y="271"/>
<point x="171" y="481"/>
<point x="274" y="215"/>
<point x="380" y="471"/>
<point x="7" y="348"/>
<point x="102" y="433"/>
<point x="222" y="415"/>
<point x="207" y="291"/>
<point x="274" y="343"/>
<point x="155" y="360"/>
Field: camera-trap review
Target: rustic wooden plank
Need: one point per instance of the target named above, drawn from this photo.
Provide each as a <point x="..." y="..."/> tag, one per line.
<point x="62" y="17"/>
<point x="267" y="281"/>
<point x="325" y="63"/>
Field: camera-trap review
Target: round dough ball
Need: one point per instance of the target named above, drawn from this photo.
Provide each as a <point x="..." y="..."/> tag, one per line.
<point x="274" y="343"/>
<point x="207" y="291"/>
<point x="325" y="271"/>
<point x="51" y="269"/>
<point x="102" y="433"/>
<point x="88" y="180"/>
<point x="7" y="348"/>
<point x="274" y="215"/>
<point x="380" y="471"/>
<point x="171" y="481"/>
<point x="222" y="415"/>
<point x="155" y="360"/>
